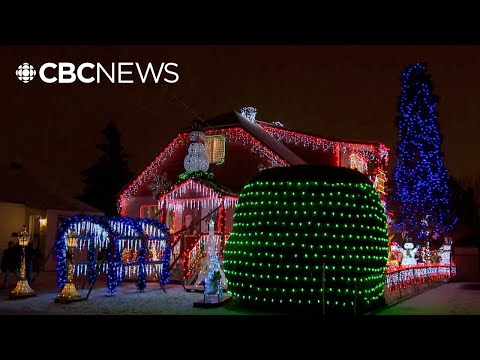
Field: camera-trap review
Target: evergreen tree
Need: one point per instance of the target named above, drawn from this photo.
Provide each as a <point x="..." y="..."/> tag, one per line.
<point x="421" y="191"/>
<point x="104" y="180"/>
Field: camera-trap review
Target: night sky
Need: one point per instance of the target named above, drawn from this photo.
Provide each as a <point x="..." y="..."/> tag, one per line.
<point x="342" y="91"/>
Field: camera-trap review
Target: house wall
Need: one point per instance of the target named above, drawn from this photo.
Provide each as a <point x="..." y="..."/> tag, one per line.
<point x="43" y="233"/>
<point x="12" y="218"/>
<point x="229" y="219"/>
<point x="240" y="165"/>
<point x="131" y="207"/>
<point x="314" y="157"/>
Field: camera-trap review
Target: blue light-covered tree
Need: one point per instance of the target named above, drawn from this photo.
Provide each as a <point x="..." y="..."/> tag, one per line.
<point x="421" y="192"/>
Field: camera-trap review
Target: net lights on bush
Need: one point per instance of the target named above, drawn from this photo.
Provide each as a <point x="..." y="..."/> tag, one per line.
<point x="293" y="224"/>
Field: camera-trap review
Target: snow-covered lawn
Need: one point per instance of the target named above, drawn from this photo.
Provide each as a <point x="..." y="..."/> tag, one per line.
<point x="448" y="299"/>
<point x="126" y="301"/>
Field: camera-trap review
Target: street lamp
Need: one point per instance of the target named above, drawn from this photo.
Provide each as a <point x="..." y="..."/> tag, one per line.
<point x="23" y="289"/>
<point x="69" y="292"/>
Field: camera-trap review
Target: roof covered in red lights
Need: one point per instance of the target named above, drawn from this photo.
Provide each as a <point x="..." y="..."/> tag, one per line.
<point x="250" y="147"/>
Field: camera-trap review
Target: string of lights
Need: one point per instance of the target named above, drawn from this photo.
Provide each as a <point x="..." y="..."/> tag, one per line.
<point x="91" y="267"/>
<point x="97" y="234"/>
<point x="113" y="256"/>
<point x="142" y="273"/>
<point x="377" y="153"/>
<point x="421" y="178"/>
<point x="401" y="278"/>
<point x="290" y="229"/>
<point x="148" y="174"/>
<point x="235" y="135"/>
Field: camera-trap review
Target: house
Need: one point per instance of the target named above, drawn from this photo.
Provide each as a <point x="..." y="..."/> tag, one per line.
<point x="25" y="201"/>
<point x="235" y="147"/>
<point x="238" y="148"/>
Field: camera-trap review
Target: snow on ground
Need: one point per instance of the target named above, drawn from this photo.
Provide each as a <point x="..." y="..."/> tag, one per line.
<point x="448" y="299"/>
<point x="126" y="301"/>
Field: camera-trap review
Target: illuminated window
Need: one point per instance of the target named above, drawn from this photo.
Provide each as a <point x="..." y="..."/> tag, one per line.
<point x="215" y="149"/>
<point x="148" y="211"/>
<point x="358" y="163"/>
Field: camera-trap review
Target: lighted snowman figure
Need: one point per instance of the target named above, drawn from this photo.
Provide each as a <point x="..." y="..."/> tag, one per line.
<point x="409" y="250"/>
<point x="196" y="160"/>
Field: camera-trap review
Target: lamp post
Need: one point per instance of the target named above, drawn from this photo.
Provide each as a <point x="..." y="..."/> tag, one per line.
<point x="69" y="293"/>
<point x="23" y="289"/>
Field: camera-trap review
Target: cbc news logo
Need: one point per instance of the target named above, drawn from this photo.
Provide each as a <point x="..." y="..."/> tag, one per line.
<point x="115" y="73"/>
<point x="25" y="72"/>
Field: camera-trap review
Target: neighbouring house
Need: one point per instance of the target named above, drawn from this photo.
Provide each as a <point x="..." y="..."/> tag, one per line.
<point x="237" y="147"/>
<point x="25" y="201"/>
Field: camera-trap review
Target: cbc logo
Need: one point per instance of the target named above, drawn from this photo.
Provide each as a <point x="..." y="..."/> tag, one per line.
<point x="25" y="72"/>
<point x="116" y="73"/>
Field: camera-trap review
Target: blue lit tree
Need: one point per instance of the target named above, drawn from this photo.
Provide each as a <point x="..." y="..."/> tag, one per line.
<point x="421" y="192"/>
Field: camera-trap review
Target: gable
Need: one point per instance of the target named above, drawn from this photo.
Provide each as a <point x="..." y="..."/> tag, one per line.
<point x="245" y="156"/>
<point x="249" y="148"/>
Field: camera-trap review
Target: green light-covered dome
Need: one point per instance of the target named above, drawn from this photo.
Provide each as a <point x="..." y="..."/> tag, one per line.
<point x="291" y="223"/>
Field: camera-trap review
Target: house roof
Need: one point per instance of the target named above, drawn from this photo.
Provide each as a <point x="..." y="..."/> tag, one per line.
<point x="284" y="153"/>
<point x="267" y="139"/>
<point x="21" y="188"/>
<point x="217" y="188"/>
<point x="234" y="118"/>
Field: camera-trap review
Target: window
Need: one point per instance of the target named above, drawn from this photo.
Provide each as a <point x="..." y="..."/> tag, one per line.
<point x="358" y="163"/>
<point x="148" y="211"/>
<point x="215" y="149"/>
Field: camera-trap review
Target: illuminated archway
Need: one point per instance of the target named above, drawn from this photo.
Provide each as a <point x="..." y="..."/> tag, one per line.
<point x="107" y="238"/>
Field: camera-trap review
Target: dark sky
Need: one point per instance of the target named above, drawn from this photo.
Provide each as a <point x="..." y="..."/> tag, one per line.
<point x="336" y="91"/>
